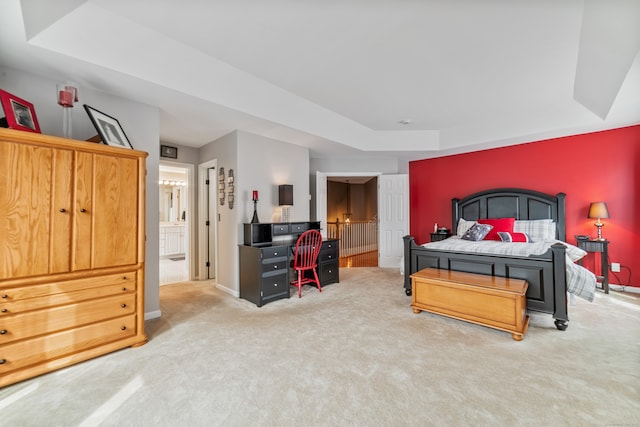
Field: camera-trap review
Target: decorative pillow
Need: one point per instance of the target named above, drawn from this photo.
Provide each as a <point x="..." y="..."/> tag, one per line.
<point x="499" y="224"/>
<point x="477" y="232"/>
<point x="463" y="226"/>
<point x="505" y="236"/>
<point x="539" y="230"/>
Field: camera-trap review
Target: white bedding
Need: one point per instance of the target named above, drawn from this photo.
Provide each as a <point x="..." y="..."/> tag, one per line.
<point x="580" y="281"/>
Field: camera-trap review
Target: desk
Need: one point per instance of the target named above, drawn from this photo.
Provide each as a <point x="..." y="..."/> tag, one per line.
<point x="266" y="256"/>
<point x="595" y="246"/>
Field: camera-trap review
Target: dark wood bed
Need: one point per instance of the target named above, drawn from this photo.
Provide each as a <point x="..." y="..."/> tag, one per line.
<point x="545" y="273"/>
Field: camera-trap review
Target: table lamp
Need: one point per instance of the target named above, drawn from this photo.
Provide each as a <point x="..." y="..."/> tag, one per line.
<point x="285" y="199"/>
<point x="598" y="210"/>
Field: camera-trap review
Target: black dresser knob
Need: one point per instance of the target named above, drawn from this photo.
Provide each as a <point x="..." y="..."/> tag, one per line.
<point x="2" y="361"/>
<point x="4" y="310"/>
<point x="124" y="328"/>
<point x="3" y="332"/>
<point x="124" y="289"/>
<point x="123" y="305"/>
<point x="63" y="210"/>
<point x="5" y="296"/>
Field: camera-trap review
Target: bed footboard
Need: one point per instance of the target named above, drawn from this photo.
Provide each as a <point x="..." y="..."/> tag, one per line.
<point x="546" y="274"/>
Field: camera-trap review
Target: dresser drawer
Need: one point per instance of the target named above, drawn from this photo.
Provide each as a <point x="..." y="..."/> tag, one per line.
<point x="43" y="348"/>
<point x="281" y="229"/>
<point x="328" y="273"/>
<point x="328" y="255"/>
<point x="275" y="284"/>
<point x="274" y="252"/>
<point x="29" y="304"/>
<point x="21" y="326"/>
<point x="299" y="227"/>
<point x="279" y="265"/>
<point x="8" y="294"/>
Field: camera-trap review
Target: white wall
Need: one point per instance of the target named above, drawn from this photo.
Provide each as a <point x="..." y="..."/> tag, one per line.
<point x="141" y="124"/>
<point x="261" y="164"/>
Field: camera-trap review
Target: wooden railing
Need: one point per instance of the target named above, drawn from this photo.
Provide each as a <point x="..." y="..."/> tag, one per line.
<point x="355" y="237"/>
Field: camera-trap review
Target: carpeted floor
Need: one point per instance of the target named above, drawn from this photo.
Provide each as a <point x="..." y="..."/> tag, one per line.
<point x="353" y="355"/>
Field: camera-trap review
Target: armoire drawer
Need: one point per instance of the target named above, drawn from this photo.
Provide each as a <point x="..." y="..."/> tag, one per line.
<point x="328" y="272"/>
<point x="29" y="304"/>
<point x="38" y="322"/>
<point x="43" y="348"/>
<point x="8" y="294"/>
<point x="268" y="267"/>
<point x="274" y="252"/>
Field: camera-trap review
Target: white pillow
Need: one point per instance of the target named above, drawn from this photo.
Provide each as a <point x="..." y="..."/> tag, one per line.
<point x="463" y="226"/>
<point x="538" y="229"/>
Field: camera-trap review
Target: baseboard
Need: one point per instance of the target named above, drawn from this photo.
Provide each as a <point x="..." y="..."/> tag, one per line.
<point x="227" y="290"/>
<point x="621" y="288"/>
<point x="152" y="315"/>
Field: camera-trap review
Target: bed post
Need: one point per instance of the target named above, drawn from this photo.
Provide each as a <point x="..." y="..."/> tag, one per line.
<point x="408" y="240"/>
<point x="455" y="216"/>
<point x="560" y="286"/>
<point x="560" y="223"/>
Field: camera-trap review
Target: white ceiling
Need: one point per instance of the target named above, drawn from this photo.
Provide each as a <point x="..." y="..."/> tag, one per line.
<point x="340" y="76"/>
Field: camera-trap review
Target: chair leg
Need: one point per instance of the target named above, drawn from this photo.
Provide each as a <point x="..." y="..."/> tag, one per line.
<point x="317" y="280"/>
<point x="299" y="284"/>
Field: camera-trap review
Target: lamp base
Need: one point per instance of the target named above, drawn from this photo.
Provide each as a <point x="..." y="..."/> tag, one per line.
<point x="599" y="227"/>
<point x="255" y="219"/>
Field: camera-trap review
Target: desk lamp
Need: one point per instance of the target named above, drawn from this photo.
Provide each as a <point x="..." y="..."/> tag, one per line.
<point x="285" y="199"/>
<point x="598" y="210"/>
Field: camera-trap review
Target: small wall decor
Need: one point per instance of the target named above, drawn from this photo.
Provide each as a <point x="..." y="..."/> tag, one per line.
<point x="168" y="152"/>
<point x="67" y="95"/>
<point x="108" y="128"/>
<point x="221" y="193"/>
<point x="230" y="189"/>
<point x="18" y="114"/>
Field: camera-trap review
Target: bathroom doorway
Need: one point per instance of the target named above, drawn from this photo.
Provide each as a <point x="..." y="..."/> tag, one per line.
<point x="174" y="186"/>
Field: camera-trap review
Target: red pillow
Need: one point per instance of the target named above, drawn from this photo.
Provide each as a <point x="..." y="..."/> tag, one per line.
<point x="499" y="224"/>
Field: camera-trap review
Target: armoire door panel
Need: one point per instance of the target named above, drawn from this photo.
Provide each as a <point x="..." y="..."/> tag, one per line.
<point x="25" y="209"/>
<point x="61" y="211"/>
<point x="115" y="217"/>
<point x="83" y="211"/>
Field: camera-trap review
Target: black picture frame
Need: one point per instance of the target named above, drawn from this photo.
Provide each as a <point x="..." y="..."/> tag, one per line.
<point x="168" y="152"/>
<point x="109" y="128"/>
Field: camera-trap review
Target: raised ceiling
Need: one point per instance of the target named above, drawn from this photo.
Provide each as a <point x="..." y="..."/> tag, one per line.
<point x="341" y="77"/>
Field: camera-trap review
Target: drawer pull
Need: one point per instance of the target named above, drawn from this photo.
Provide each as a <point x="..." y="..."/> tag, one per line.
<point x="124" y="328"/>
<point x="83" y="210"/>
<point x="3" y="332"/>
<point x="275" y="253"/>
<point x="275" y="267"/>
<point x="123" y="305"/>
<point x="124" y="277"/>
<point x="2" y="361"/>
<point x="124" y="289"/>
<point x="63" y="210"/>
<point x="5" y="296"/>
<point x="4" y="310"/>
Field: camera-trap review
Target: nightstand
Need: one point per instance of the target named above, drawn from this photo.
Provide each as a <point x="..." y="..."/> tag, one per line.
<point x="436" y="237"/>
<point x="602" y="246"/>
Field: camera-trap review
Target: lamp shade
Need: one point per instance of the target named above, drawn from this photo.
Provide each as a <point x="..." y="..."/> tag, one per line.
<point x="285" y="195"/>
<point x="598" y="210"/>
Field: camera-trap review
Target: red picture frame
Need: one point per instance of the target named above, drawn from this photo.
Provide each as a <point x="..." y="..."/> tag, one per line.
<point x="19" y="114"/>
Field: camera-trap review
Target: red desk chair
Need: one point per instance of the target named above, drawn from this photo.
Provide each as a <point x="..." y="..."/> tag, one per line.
<point x="305" y="257"/>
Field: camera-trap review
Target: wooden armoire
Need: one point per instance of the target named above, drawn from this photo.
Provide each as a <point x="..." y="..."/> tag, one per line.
<point x="72" y="236"/>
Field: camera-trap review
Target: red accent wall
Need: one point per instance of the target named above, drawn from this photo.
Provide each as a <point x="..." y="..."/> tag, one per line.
<point x="599" y="166"/>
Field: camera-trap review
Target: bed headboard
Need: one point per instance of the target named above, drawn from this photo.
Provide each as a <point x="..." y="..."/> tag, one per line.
<point x="511" y="203"/>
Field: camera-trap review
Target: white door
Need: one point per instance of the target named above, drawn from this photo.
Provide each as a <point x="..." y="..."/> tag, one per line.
<point x="393" y="214"/>
<point x="211" y="223"/>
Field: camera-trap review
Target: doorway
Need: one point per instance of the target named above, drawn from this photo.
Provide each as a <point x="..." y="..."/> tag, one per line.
<point x="175" y="219"/>
<point x="352" y="218"/>
<point x="208" y="217"/>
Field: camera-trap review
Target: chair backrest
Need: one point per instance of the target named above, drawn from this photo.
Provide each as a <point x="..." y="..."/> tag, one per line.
<point x="307" y="249"/>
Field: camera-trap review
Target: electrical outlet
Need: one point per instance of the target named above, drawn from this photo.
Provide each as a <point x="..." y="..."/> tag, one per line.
<point x="615" y="267"/>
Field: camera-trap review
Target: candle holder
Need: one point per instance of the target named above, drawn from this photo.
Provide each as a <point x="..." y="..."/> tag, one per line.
<point x="255" y="219"/>
<point x="67" y="96"/>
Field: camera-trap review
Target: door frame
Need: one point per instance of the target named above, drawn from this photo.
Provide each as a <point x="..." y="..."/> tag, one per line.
<point x="191" y="229"/>
<point x="202" y="213"/>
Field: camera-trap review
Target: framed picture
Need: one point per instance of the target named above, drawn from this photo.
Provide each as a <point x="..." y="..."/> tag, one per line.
<point x="108" y="128"/>
<point x="168" y="152"/>
<point x="18" y="113"/>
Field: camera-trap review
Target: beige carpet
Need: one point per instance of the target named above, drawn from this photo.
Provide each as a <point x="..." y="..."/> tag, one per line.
<point x="353" y="355"/>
